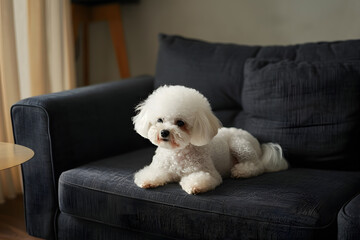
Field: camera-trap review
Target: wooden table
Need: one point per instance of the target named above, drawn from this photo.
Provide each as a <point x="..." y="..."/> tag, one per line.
<point x="12" y="155"/>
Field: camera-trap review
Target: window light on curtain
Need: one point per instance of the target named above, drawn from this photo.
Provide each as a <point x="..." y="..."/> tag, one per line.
<point x="36" y="57"/>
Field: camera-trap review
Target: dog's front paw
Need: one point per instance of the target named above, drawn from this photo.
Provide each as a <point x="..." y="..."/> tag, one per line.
<point x="151" y="178"/>
<point x="199" y="182"/>
<point x="146" y="185"/>
<point x="195" y="190"/>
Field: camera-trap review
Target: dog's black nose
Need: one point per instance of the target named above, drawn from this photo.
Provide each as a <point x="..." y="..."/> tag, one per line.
<point x="164" y="133"/>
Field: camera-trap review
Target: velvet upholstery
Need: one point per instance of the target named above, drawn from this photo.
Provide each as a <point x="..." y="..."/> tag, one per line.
<point x="79" y="185"/>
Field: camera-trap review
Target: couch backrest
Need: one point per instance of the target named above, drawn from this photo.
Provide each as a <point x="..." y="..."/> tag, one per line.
<point x="305" y="97"/>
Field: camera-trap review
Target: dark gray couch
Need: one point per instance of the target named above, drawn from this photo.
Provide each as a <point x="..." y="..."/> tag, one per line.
<point x="305" y="97"/>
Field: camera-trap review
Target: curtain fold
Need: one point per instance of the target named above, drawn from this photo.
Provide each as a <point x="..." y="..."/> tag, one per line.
<point x="36" y="57"/>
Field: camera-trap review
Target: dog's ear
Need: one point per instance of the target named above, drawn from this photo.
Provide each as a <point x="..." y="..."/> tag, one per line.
<point x="141" y="120"/>
<point x="205" y="127"/>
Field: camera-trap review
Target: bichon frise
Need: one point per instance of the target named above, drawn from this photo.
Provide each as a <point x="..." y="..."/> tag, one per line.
<point x="193" y="149"/>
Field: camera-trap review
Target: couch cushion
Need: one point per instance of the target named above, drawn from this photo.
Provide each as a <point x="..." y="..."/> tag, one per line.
<point x="349" y="220"/>
<point x="216" y="69"/>
<point x="318" y="51"/>
<point x="298" y="203"/>
<point x="312" y="109"/>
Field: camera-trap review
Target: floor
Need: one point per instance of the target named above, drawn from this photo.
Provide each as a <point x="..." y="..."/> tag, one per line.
<point x="12" y="222"/>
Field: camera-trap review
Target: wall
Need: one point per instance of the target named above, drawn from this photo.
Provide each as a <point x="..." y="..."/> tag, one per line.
<point x="265" y="22"/>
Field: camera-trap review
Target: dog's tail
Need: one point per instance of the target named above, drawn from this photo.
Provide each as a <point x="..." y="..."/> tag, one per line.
<point x="272" y="157"/>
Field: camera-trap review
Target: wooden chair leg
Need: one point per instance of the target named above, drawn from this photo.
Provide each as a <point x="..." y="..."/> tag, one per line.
<point x="112" y="14"/>
<point x="81" y="15"/>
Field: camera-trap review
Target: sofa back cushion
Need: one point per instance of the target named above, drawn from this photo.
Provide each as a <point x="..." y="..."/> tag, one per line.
<point x="312" y="109"/>
<point x="217" y="71"/>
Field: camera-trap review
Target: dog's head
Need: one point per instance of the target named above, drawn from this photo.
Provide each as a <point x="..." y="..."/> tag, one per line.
<point x="174" y="117"/>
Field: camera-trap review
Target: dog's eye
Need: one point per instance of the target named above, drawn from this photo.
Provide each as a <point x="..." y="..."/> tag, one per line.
<point x="180" y="123"/>
<point x="159" y="120"/>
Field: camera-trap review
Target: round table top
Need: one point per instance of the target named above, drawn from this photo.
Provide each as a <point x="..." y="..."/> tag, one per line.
<point x="13" y="154"/>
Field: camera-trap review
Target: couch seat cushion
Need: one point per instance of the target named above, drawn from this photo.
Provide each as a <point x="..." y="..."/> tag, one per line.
<point x="297" y="203"/>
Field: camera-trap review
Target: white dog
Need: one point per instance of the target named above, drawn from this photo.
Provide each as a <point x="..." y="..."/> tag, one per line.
<point x="192" y="150"/>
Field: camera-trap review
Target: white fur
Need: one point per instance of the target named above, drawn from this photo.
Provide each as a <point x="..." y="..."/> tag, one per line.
<point x="199" y="153"/>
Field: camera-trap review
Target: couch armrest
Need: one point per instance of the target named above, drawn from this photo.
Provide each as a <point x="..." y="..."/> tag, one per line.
<point x="349" y="220"/>
<point x="68" y="129"/>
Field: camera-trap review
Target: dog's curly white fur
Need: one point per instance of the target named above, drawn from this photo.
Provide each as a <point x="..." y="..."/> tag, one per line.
<point x="193" y="149"/>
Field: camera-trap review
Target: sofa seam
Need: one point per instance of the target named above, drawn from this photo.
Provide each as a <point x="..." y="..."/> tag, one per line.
<point x="115" y="226"/>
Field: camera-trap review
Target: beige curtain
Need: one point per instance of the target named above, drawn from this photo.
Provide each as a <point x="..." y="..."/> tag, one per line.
<point x="36" y="57"/>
